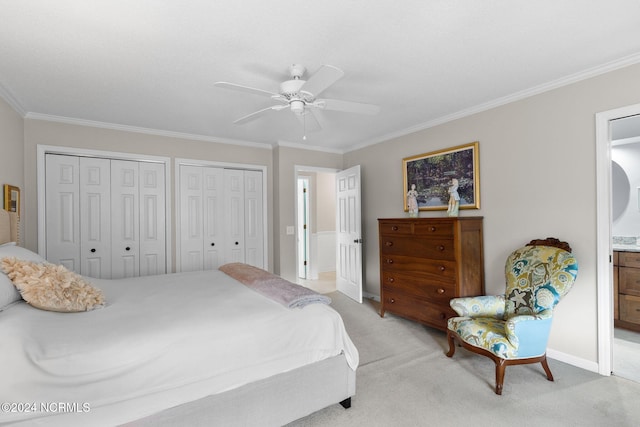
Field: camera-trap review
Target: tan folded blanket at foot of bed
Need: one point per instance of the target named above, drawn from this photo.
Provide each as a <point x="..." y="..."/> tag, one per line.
<point x="275" y="287"/>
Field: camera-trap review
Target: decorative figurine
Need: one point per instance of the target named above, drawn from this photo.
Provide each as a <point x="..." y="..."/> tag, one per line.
<point x="454" y="198"/>
<point x="412" y="201"/>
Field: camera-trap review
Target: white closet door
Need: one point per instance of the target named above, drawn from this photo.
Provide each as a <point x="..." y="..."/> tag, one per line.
<point x="62" y="210"/>
<point x="253" y="219"/>
<point x="213" y="190"/>
<point x="234" y="215"/>
<point x="152" y="219"/>
<point x="191" y="225"/>
<point x="125" y="219"/>
<point x="95" y="221"/>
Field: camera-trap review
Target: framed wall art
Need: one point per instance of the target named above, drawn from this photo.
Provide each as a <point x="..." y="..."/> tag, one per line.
<point x="433" y="175"/>
<point x="12" y="199"/>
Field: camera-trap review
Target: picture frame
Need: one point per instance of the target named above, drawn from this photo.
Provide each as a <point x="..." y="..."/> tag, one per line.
<point x="432" y="175"/>
<point x="12" y="198"/>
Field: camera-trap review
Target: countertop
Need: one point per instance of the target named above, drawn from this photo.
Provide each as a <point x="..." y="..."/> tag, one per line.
<point x="626" y="248"/>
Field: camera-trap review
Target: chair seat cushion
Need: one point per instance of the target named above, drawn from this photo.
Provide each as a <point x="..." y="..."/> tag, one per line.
<point x="484" y="332"/>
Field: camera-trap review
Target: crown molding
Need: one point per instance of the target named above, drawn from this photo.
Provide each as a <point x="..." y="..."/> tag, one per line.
<point x="12" y="101"/>
<point x="517" y="96"/>
<point x="310" y="147"/>
<point x="136" y="129"/>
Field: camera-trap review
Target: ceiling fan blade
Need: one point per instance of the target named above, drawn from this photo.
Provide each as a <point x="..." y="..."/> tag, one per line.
<point x="258" y="113"/>
<point x="322" y="79"/>
<point x="241" y="88"/>
<point x="346" y="106"/>
<point x="309" y="121"/>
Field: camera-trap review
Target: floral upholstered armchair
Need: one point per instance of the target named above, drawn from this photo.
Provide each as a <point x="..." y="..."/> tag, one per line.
<point x="514" y="328"/>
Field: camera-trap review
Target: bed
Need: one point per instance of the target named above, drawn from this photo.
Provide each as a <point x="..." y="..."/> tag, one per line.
<point x="184" y="348"/>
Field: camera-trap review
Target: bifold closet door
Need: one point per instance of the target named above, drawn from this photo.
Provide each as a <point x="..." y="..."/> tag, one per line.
<point x="105" y="218"/>
<point x="62" y="199"/>
<point x="201" y="218"/>
<point x="253" y="219"/>
<point x="95" y="220"/>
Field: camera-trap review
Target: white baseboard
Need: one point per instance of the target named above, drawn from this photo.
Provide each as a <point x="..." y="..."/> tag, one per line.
<point x="573" y="360"/>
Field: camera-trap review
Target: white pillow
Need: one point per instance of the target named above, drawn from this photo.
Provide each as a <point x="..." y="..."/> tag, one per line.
<point x="8" y="293"/>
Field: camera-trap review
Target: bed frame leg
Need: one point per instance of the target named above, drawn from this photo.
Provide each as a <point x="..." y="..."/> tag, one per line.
<point x="346" y="404"/>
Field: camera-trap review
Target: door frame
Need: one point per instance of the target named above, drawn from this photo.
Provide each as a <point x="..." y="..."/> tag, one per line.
<point x="297" y="169"/>
<point x="42" y="150"/>
<point x="265" y="214"/>
<point x="604" y="249"/>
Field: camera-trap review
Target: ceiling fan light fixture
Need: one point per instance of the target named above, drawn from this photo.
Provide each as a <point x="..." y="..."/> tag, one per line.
<point x="297" y="107"/>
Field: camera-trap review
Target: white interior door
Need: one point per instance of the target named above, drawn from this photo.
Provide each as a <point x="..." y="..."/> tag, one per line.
<point x="190" y="213"/>
<point x="234" y="215"/>
<point x="253" y="215"/>
<point x="214" y="243"/>
<point x="95" y="217"/>
<point x="125" y="219"/>
<point x="62" y="201"/>
<point x="349" y="233"/>
<point x="153" y="259"/>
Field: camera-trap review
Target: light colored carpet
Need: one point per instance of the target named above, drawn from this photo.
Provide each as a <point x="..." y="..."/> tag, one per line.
<point x="405" y="379"/>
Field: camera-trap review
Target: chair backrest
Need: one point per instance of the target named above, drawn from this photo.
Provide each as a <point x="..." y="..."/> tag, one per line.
<point x="538" y="275"/>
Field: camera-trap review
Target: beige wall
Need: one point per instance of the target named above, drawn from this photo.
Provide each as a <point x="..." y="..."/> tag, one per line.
<point x="68" y="135"/>
<point x="537" y="179"/>
<point x="326" y="202"/>
<point x="11" y="152"/>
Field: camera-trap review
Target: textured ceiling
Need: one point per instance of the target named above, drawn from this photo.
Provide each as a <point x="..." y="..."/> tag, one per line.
<point x="151" y="64"/>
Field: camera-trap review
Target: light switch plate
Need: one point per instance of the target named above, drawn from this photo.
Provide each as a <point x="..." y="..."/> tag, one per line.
<point x="290" y="230"/>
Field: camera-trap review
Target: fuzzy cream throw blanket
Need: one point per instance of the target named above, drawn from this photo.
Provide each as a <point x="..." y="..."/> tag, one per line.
<point x="52" y="287"/>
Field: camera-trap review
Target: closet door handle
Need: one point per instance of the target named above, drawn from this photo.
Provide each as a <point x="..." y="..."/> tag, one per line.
<point x="236" y="243"/>
<point x="93" y="249"/>
<point x="213" y="244"/>
<point x="127" y="248"/>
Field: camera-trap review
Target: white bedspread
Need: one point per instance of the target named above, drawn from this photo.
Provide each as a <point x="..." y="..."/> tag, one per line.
<point x="160" y="341"/>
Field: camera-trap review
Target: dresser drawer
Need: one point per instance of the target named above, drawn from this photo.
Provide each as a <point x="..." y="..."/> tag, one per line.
<point x="629" y="280"/>
<point x="439" y="290"/>
<point x="629" y="259"/>
<point x="423" y="248"/>
<point x="630" y="308"/>
<point x="417" y="309"/>
<point x="396" y="228"/>
<point x="413" y="264"/>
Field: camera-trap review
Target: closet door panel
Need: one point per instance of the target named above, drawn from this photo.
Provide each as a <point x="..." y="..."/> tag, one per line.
<point x="253" y="219"/>
<point x="214" y="238"/>
<point x="62" y="201"/>
<point x="125" y="216"/>
<point x="191" y="212"/>
<point x="234" y="215"/>
<point x="95" y="221"/>
<point x="152" y="219"/>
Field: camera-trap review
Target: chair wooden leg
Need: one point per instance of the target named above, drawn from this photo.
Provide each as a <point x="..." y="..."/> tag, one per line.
<point x="500" y="367"/>
<point x="452" y="344"/>
<point x="545" y="366"/>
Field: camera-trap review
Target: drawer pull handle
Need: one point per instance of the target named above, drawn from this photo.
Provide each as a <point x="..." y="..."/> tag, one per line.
<point x="440" y="291"/>
<point x="441" y="248"/>
<point x="432" y="228"/>
<point x="389" y="243"/>
<point x="394" y="228"/>
<point x="389" y="261"/>
<point x="392" y="300"/>
<point x="443" y="316"/>
<point x="391" y="280"/>
<point x="442" y="268"/>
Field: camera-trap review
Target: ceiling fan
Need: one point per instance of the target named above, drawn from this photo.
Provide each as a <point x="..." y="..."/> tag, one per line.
<point x="301" y="96"/>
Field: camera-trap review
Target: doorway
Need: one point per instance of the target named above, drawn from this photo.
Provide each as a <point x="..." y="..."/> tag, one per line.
<point x="605" y="261"/>
<point x="625" y="197"/>
<point x="316" y="228"/>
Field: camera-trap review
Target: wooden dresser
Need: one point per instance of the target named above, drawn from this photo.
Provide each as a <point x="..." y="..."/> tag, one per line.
<point x="627" y="290"/>
<point x="424" y="262"/>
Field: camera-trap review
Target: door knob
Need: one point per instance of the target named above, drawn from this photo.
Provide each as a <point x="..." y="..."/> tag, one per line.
<point x="93" y="249"/>
<point x="213" y="244"/>
<point x="127" y="248"/>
